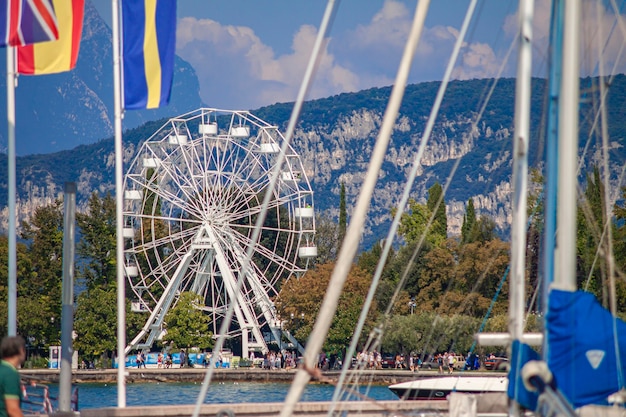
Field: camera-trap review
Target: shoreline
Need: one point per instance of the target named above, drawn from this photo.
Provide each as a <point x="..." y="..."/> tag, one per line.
<point x="382" y="377"/>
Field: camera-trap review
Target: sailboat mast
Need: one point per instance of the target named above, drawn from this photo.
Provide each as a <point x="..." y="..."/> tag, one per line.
<point x="119" y="201"/>
<point x="565" y="265"/>
<point x="556" y="42"/>
<point x="520" y="170"/>
<point x="520" y="176"/>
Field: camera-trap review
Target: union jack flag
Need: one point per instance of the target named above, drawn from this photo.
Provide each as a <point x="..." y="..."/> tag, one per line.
<point x="23" y="22"/>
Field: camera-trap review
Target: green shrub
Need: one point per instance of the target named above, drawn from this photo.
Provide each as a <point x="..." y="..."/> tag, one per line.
<point x="36" y="362"/>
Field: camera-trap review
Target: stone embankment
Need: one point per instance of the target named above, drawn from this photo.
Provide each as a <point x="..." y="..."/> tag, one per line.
<point x="242" y="374"/>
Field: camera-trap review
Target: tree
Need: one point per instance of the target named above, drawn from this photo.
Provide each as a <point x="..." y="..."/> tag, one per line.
<point x="436" y="204"/>
<point x="326" y="239"/>
<point x="40" y="290"/>
<point x="97" y="246"/>
<point x="305" y="295"/>
<point x="462" y="279"/>
<point x="469" y="222"/>
<point x="96" y="321"/>
<point x="427" y="333"/>
<point x="24" y="269"/>
<point x="343" y="216"/>
<point x="591" y="274"/>
<point x="619" y="248"/>
<point x="414" y="224"/>
<point x="484" y="230"/>
<point x="186" y="324"/>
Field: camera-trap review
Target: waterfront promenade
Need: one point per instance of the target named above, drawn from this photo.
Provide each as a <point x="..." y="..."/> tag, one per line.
<point x="383" y="377"/>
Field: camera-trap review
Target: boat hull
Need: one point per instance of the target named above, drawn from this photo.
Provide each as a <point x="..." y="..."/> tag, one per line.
<point x="440" y="388"/>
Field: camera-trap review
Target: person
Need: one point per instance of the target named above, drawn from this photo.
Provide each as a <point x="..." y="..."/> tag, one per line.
<point x="13" y="354"/>
<point x="140" y="360"/>
<point x="183" y="358"/>
<point x="440" y="363"/>
<point x="160" y="360"/>
<point x="168" y="361"/>
<point x="451" y="361"/>
<point x="398" y="361"/>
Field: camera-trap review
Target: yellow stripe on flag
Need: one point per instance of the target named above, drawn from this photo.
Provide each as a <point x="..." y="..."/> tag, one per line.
<point x="152" y="61"/>
<point x="56" y="56"/>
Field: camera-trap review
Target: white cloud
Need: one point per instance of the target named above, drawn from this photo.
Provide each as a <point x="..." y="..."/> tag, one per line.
<point x="478" y="61"/>
<point x="376" y="49"/>
<point x="237" y="69"/>
<point x="599" y="30"/>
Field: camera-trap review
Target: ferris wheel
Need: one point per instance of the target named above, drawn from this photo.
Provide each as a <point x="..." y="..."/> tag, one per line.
<point x="193" y="193"/>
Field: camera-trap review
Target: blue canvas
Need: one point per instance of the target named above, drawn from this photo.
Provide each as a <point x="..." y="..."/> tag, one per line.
<point x="520" y="354"/>
<point x="582" y="353"/>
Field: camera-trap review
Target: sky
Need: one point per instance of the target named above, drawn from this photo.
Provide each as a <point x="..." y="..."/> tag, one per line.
<point x="253" y="53"/>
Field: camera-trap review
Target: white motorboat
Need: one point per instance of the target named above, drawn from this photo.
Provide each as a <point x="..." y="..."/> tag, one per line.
<point x="438" y="388"/>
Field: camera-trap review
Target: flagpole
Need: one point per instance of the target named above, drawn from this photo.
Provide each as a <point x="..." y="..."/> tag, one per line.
<point x="12" y="299"/>
<point x="119" y="214"/>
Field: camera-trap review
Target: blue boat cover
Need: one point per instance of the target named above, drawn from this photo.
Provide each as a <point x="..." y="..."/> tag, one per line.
<point x="582" y="353"/>
<point x="520" y="354"/>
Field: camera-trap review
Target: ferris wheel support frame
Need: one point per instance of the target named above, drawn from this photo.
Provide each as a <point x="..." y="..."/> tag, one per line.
<point x="205" y="239"/>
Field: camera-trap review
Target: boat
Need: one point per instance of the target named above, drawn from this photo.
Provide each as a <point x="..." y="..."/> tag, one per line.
<point x="438" y="388"/>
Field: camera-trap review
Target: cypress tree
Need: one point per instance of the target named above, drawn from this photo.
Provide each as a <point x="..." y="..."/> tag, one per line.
<point x="440" y="225"/>
<point x="343" y="216"/>
<point x="469" y="222"/>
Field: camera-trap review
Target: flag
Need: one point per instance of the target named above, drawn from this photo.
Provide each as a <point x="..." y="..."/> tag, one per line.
<point x="59" y="55"/>
<point x="23" y="22"/>
<point x="149" y="41"/>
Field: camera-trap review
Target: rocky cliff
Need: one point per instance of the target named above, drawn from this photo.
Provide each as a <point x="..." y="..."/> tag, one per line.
<point x="336" y="136"/>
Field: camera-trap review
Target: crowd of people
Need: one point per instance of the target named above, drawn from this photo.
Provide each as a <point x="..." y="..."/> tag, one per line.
<point x="376" y="360"/>
<point x="278" y="360"/>
<point x="444" y="362"/>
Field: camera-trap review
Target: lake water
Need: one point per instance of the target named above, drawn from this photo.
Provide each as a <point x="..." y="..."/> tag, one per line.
<point x="105" y="395"/>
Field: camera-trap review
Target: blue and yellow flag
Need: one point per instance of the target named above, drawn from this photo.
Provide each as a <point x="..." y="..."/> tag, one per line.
<point x="149" y="38"/>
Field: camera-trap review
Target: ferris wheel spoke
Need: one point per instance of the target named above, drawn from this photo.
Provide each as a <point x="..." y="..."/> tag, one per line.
<point x="182" y="184"/>
<point x="197" y="173"/>
<point x="191" y="222"/>
<point x="184" y="236"/>
<point x="239" y="199"/>
<point x="161" y="193"/>
<point x="244" y="241"/>
<point x="249" y="212"/>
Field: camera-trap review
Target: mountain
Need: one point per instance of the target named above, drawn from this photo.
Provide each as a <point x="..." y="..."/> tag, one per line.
<point x="61" y="111"/>
<point x="335" y="138"/>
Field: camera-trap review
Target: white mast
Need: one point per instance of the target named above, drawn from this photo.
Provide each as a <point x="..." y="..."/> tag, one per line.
<point x="12" y="298"/>
<point x="119" y="214"/>
<point x="517" y="291"/>
<point x="565" y="265"/>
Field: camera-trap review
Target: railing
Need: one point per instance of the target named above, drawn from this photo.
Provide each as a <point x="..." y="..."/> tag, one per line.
<point x="36" y="397"/>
